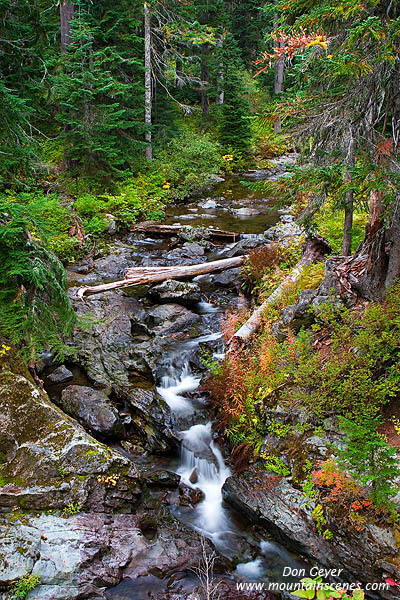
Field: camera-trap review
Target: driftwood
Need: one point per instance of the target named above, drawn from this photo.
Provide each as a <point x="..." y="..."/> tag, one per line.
<point x="314" y="250"/>
<point x="144" y="275"/>
<point x="173" y="229"/>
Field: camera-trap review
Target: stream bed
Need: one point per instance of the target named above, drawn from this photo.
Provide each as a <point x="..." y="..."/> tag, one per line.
<point x="175" y="371"/>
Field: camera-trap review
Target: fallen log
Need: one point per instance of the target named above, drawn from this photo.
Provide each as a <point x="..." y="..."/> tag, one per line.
<point x="144" y="275"/>
<point x="174" y="229"/>
<point x="314" y="250"/>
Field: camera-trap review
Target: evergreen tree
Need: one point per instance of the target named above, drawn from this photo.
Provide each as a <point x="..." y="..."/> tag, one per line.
<point x="235" y="126"/>
<point x="99" y="90"/>
<point x="35" y="311"/>
<point x="369" y="458"/>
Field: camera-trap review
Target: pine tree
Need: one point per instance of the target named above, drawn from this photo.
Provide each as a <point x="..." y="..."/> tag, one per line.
<point x="235" y="126"/>
<point x="99" y="90"/>
<point x="35" y="311"/>
<point x="369" y="458"/>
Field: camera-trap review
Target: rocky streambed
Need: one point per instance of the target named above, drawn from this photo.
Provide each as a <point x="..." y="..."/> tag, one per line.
<point x="113" y="476"/>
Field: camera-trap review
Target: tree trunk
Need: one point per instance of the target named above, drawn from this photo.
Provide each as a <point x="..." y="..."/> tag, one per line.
<point x="205" y="75"/>
<point x="372" y="283"/>
<point x="66" y="16"/>
<point x="348" y="224"/>
<point x="147" y="81"/>
<point x="349" y="203"/>
<point x="279" y="79"/>
<point x="143" y="275"/>
<point x="220" y="74"/>
<point x="314" y="250"/>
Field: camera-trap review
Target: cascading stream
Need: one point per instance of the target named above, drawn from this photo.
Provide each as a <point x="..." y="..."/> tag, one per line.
<point x="202" y="465"/>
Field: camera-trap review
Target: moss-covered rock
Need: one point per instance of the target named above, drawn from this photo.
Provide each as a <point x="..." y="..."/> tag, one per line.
<point x="48" y="459"/>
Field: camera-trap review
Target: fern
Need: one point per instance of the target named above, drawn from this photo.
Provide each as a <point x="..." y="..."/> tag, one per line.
<point x="35" y="311"/>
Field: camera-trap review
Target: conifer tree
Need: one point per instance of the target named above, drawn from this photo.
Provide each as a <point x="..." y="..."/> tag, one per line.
<point x="235" y="126"/>
<point x="369" y="458"/>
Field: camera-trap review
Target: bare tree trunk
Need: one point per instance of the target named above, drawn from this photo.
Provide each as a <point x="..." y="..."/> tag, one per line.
<point x="279" y="79"/>
<point x="147" y="81"/>
<point x="143" y="275"/>
<point x="393" y="271"/>
<point x="348" y="224"/>
<point x="314" y="250"/>
<point x="205" y="101"/>
<point x="220" y="74"/>
<point x="67" y="10"/>
<point x="349" y="205"/>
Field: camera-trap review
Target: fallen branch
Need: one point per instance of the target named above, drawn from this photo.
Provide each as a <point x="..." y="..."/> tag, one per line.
<point x="210" y="232"/>
<point x="144" y="275"/>
<point x="314" y="250"/>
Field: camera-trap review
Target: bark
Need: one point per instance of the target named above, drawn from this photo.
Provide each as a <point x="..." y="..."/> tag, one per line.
<point x="349" y="205"/>
<point x="279" y="79"/>
<point x="205" y="75"/>
<point x="372" y="283"/>
<point x="348" y="224"/>
<point x="144" y="275"/>
<point x="66" y="17"/>
<point x="314" y="251"/>
<point x="393" y="271"/>
<point x="147" y="81"/>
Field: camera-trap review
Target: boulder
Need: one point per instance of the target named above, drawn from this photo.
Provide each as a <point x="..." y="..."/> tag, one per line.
<point x="152" y="418"/>
<point x="172" y="318"/>
<point x="191" y="253"/>
<point x="47" y="460"/>
<point x="274" y="504"/>
<point x="179" y="292"/>
<point x="189" y="496"/>
<point x="93" y="409"/>
<point x="60" y="375"/>
<point x="229" y="278"/>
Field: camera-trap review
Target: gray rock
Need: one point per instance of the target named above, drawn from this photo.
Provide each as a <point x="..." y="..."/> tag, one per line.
<point x="172" y="318"/>
<point x="190" y="253"/>
<point x="229" y="278"/>
<point x="60" y="375"/>
<point x="158" y="430"/>
<point x="209" y="204"/>
<point x="279" y="507"/>
<point x="176" y="292"/>
<point x="112" y="224"/>
<point x="51" y="460"/>
<point x="93" y="409"/>
<point x="300" y="314"/>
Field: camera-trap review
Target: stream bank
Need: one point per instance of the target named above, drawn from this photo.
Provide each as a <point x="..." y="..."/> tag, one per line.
<point x="115" y="473"/>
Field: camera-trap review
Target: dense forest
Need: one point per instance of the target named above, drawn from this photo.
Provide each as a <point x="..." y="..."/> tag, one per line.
<point x="227" y="174"/>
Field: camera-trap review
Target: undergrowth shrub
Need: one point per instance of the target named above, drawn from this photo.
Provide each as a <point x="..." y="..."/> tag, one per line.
<point x="347" y="364"/>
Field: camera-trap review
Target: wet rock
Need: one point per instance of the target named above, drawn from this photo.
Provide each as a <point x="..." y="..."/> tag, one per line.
<point x="229" y="278"/>
<point x="162" y="478"/>
<point x="172" y="318"/>
<point x="107" y="351"/>
<point x="51" y="460"/>
<point x="194" y="477"/>
<point x="60" y="375"/>
<point x="209" y="204"/>
<point x="190" y="253"/>
<point x="246" y="211"/>
<point x="189" y="496"/>
<point x="93" y="409"/>
<point x="152" y="418"/>
<point x="273" y="503"/>
<point x="176" y="292"/>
